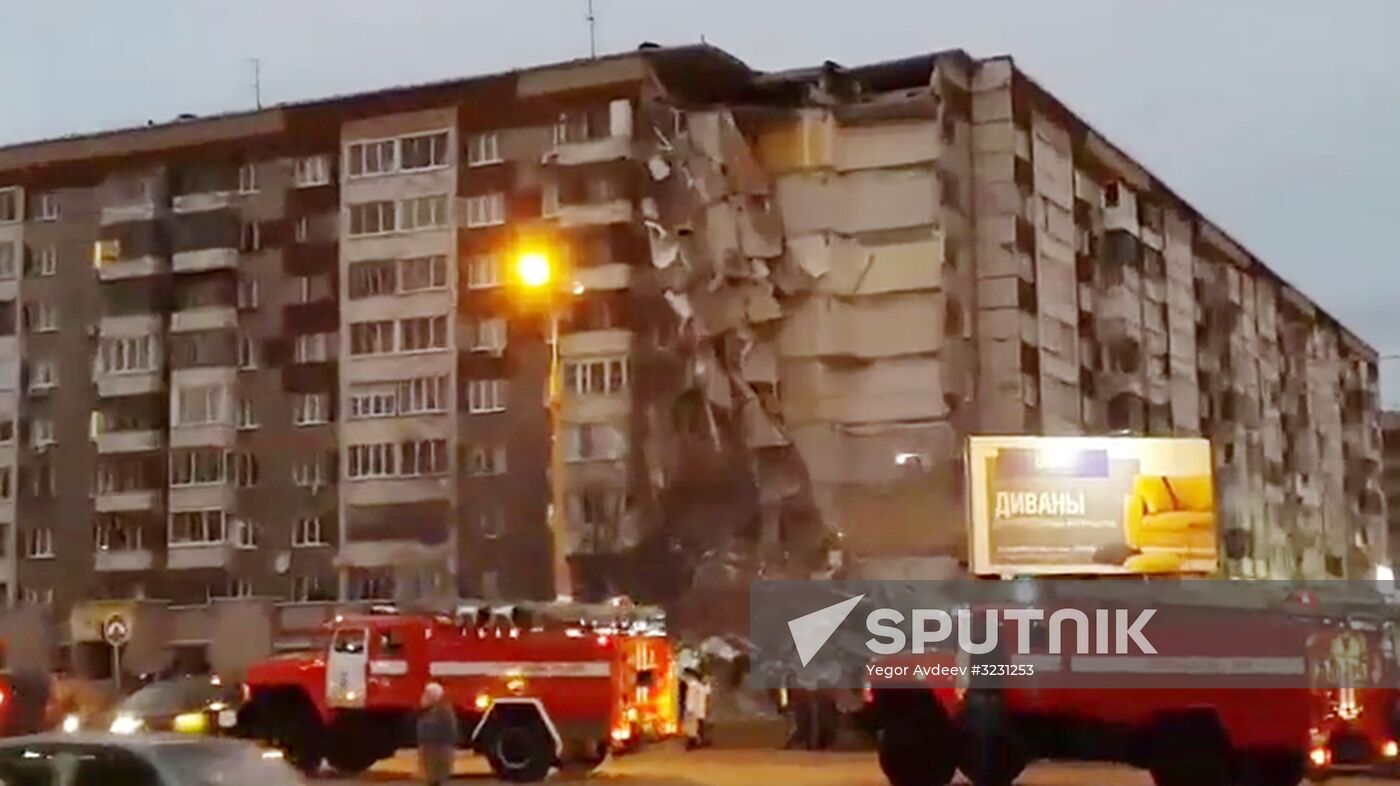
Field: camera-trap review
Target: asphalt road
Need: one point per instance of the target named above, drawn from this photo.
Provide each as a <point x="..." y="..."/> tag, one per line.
<point x="671" y="766"/>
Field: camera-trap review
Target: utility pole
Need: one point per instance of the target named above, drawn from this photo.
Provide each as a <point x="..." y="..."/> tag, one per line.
<point x="592" y="32"/>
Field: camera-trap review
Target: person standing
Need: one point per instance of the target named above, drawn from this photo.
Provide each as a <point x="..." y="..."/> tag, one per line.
<point x="437" y="736"/>
<point x="697" y="707"/>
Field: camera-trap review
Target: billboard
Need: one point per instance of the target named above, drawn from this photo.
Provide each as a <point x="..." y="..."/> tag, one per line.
<point x="1091" y="505"/>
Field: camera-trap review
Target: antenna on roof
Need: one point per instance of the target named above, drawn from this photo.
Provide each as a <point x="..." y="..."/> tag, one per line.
<point x="592" y="32"/>
<point x="257" y="80"/>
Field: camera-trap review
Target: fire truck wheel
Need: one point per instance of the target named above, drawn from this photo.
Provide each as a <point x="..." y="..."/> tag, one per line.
<point x="348" y="759"/>
<point x="916" y="755"/>
<point x="520" y="752"/>
<point x="1190" y="749"/>
<point x="583" y="757"/>
<point x="288" y="722"/>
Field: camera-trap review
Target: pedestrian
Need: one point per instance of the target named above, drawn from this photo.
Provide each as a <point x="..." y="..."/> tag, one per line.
<point x="437" y="736"/>
<point x="697" y="707"/>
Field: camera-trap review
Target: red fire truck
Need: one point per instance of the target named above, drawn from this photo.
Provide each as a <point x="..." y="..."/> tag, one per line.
<point x="529" y="698"/>
<point x="1327" y="707"/>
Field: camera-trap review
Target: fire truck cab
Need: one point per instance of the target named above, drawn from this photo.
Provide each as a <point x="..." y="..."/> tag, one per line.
<point x="528" y="698"/>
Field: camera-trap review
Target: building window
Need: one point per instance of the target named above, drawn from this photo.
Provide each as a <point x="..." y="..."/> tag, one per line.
<point x="596" y="376"/>
<point x="35" y="596"/>
<point x="248" y="179"/>
<point x="247" y="293"/>
<point x="247" y="352"/>
<point x="7" y="491"/>
<point x="371" y="461"/>
<point x="308" y="588"/>
<point x="486" y="210"/>
<point x="9" y="205"/>
<point x="486" y="395"/>
<point x="314" y="347"/>
<point x="373" y="402"/>
<point x="7" y="430"/>
<point x="306" y="533"/>
<point x="127" y="355"/>
<point x="43" y="376"/>
<point x="371" y="218"/>
<point x="115" y="532"/>
<point x="244" y="532"/>
<point x="489" y="335"/>
<point x="491" y="522"/>
<point x="38" y="543"/>
<point x="422" y="395"/>
<point x="371" y="279"/>
<point x="417" y="334"/>
<point x="251" y="237"/>
<point x="303" y="290"/>
<point x="423" y="457"/>
<point x="42" y="433"/>
<point x="200" y="405"/>
<point x="313" y="473"/>
<point x="197" y="527"/>
<point x="43" y="317"/>
<point x="197" y="466"/>
<point x="7" y="260"/>
<point x="372" y="158"/>
<point x="592" y="442"/>
<point x="549" y="199"/>
<point x="46" y="261"/>
<point x="106" y="252"/>
<point x="424" y="151"/>
<point x="372" y="584"/>
<point x="483" y="148"/>
<point x="47" y="209"/>
<point x="245" y="470"/>
<point x="312" y="171"/>
<point x="484" y="271"/>
<point x="487" y="460"/>
<point x="311" y="409"/>
<point x="247" y="416"/>
<point x="421" y="273"/>
<point x="372" y="338"/>
<point x="429" y="212"/>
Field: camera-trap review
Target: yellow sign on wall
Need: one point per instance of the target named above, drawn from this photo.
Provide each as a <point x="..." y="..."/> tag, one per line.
<point x="1091" y="505"/>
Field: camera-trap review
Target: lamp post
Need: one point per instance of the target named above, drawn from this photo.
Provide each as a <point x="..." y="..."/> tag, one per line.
<point x="536" y="274"/>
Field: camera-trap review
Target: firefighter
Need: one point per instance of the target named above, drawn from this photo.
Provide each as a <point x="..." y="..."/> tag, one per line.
<point x="437" y="736"/>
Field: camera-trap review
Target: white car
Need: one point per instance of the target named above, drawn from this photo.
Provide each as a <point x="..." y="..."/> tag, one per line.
<point x="155" y="760"/>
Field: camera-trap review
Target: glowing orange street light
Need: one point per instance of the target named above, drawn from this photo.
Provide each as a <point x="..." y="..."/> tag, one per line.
<point x="534" y="269"/>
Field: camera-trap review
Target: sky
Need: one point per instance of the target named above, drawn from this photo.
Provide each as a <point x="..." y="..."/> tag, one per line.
<point x="1279" y="119"/>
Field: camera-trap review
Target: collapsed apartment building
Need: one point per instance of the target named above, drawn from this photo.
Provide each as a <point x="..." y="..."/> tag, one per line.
<point x="295" y="368"/>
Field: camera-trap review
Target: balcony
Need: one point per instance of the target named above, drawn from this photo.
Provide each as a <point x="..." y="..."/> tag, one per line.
<point x="136" y="267"/>
<point x="202" y="202"/>
<point x="589" y="214"/>
<point x="205" y="259"/>
<point x="119" y="561"/>
<point x="204" y="318"/>
<point x="129" y="383"/>
<point x="139" y="441"/>
<point x="128" y="213"/>
<point x="214" y="434"/>
<point x="603" y="278"/>
<point x="587" y="343"/>
<point x="593" y="151"/>
<point x="127" y="501"/>
<point x="308" y="259"/>
<point x="202" y="496"/>
<point x="195" y="556"/>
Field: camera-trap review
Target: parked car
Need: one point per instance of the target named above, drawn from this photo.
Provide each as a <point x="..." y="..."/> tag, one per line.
<point x="186" y="705"/>
<point x="148" y="760"/>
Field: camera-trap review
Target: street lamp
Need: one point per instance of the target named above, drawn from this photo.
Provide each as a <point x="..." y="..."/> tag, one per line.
<point x="536" y="275"/>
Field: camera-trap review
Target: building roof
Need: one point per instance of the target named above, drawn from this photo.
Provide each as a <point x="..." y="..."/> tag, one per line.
<point x="702" y="73"/>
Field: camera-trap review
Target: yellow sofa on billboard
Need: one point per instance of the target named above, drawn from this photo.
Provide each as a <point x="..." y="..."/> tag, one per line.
<point x="1169" y="520"/>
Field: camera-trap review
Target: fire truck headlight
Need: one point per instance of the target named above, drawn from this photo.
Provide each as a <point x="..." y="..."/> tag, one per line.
<point x="1319" y="757"/>
<point x="482" y="701"/>
<point x="1390" y="749"/>
<point x="126" y="724"/>
<point x="71" y="724"/>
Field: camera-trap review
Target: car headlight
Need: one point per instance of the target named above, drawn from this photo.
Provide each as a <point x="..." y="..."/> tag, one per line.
<point x="126" y="724"/>
<point x="71" y="724"/>
<point x="190" y="723"/>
